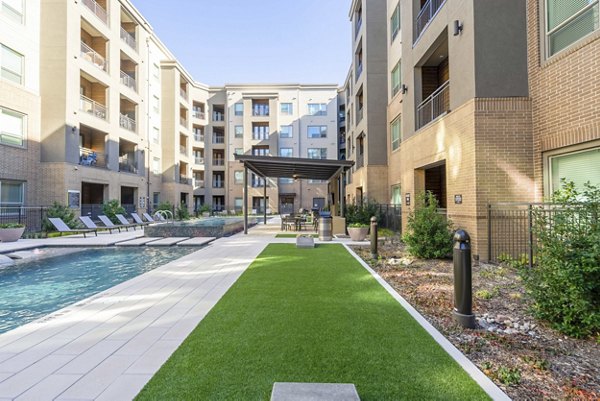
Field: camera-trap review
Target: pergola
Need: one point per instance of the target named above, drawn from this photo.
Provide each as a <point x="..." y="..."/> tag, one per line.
<point x="290" y="167"/>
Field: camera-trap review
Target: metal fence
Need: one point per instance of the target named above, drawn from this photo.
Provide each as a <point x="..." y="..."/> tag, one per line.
<point x="390" y="217"/>
<point x="32" y="217"/>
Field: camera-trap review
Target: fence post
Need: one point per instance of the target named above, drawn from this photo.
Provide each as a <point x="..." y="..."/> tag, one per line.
<point x="530" y="218"/>
<point x="489" y="222"/>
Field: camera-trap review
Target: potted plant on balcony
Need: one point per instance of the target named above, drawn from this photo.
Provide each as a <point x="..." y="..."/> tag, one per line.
<point x="11" y="232"/>
<point x="358" y="231"/>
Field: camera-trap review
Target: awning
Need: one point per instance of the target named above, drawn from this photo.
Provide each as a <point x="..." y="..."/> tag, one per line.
<point x="294" y="167"/>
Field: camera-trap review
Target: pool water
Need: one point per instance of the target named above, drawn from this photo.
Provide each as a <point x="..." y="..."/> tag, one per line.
<point x="33" y="289"/>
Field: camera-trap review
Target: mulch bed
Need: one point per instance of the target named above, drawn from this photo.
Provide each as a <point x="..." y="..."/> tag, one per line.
<point x="523" y="356"/>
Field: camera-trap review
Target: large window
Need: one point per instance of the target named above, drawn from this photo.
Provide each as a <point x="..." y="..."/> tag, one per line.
<point x="396" y="79"/>
<point x="287" y="109"/>
<point x="156" y="165"/>
<point x="12" y="127"/>
<point x="238" y="109"/>
<point x="395" y="22"/>
<point x="579" y="167"/>
<point x="12" y="193"/>
<point x="11" y="65"/>
<point x="317" y="109"/>
<point x="239" y="131"/>
<point x="396" y="133"/>
<point x="317" y="131"/>
<point x="286" y="152"/>
<point x="568" y="21"/>
<point x="317" y="153"/>
<point x="396" y="195"/>
<point x="238" y="177"/>
<point x="286" y="131"/>
<point x="13" y="9"/>
<point x="238" y="203"/>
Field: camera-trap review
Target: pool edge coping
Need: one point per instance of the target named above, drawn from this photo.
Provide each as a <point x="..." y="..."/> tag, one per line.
<point x="488" y="386"/>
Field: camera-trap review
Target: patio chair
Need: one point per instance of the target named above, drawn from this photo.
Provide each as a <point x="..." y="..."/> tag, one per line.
<point x="149" y="218"/>
<point x="136" y="217"/>
<point x="126" y="222"/>
<point x="62" y="227"/>
<point x="109" y="224"/>
<point x="89" y="224"/>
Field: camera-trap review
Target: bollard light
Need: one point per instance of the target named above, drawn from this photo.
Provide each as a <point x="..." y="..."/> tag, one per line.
<point x="374" y="237"/>
<point x="463" y="289"/>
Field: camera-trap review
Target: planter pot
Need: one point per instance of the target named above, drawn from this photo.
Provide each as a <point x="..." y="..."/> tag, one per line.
<point x="358" y="233"/>
<point x="11" y="234"/>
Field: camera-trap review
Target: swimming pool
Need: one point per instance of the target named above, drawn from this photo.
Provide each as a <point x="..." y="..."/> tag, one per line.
<point x="33" y="289"/>
<point x="205" y="227"/>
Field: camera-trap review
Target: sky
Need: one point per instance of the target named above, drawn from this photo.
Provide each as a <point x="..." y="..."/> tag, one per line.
<point x="259" y="41"/>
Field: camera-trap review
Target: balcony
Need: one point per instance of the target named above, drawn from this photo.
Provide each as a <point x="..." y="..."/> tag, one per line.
<point x="97" y="9"/>
<point x="198" y="136"/>
<point x="218" y="184"/>
<point x="129" y="39"/>
<point x="218" y="139"/>
<point x="185" y="180"/>
<point x="127" y="167"/>
<point x="218" y="162"/>
<point x="92" y="107"/>
<point x="127" y="122"/>
<point x="359" y="115"/>
<point x="91" y="158"/>
<point x="198" y="183"/>
<point x="428" y="11"/>
<point x="260" y="110"/>
<point x="89" y="54"/>
<point x="128" y="81"/>
<point x="434" y="106"/>
<point x="217" y="116"/>
<point x="183" y="93"/>
<point x="183" y="150"/>
<point x="183" y="122"/>
<point x="198" y="160"/>
<point x="358" y="25"/>
<point x="359" y="70"/>
<point x="200" y="115"/>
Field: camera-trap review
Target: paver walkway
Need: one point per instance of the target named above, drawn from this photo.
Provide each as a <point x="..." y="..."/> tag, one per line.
<point x="107" y="347"/>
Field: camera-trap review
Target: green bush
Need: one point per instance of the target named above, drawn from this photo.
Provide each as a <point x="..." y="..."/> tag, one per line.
<point x="111" y="208"/>
<point x="429" y="234"/>
<point x="64" y="213"/>
<point x="362" y="213"/>
<point x="205" y="209"/>
<point x="165" y="206"/>
<point x="12" y="225"/>
<point x="565" y="282"/>
<point x="182" y="212"/>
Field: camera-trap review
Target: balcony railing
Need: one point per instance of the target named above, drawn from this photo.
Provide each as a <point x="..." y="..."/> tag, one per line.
<point x="218" y="138"/>
<point x="183" y="93"/>
<point x="357" y="26"/>
<point x="97" y="10"/>
<point x="183" y="150"/>
<point x="198" y="137"/>
<point x="218" y="162"/>
<point x="434" y="106"/>
<point x="129" y="39"/>
<point x="200" y="115"/>
<point x="92" y="107"/>
<point x="199" y="160"/>
<point x="218" y="184"/>
<point x="89" y="54"/>
<point x="185" y="180"/>
<point x="183" y="122"/>
<point x="359" y="115"/>
<point x="359" y="70"/>
<point x="128" y="81"/>
<point x="428" y="11"/>
<point x="260" y="111"/>
<point x="127" y="122"/>
<point x="198" y="183"/>
<point x="218" y="116"/>
<point x="260" y="133"/>
<point x="126" y="166"/>
<point x="91" y="158"/>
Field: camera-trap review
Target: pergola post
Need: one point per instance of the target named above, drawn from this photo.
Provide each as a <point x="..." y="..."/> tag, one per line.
<point x="245" y="199"/>
<point x="265" y="199"/>
<point x="342" y="194"/>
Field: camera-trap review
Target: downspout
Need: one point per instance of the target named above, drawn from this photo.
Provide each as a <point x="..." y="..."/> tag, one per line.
<point x="148" y="207"/>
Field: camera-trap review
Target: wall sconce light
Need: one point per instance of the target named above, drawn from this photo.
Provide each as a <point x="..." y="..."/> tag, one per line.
<point x="404" y="89"/>
<point x="458" y="28"/>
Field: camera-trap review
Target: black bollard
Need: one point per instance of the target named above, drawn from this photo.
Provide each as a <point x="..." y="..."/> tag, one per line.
<point x="374" y="237"/>
<point x="463" y="291"/>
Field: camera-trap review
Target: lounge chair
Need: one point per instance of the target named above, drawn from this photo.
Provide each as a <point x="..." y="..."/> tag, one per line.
<point x="89" y="224"/>
<point x="126" y="222"/>
<point x="62" y="227"/>
<point x="109" y="224"/>
<point x="149" y="218"/>
<point x="138" y="219"/>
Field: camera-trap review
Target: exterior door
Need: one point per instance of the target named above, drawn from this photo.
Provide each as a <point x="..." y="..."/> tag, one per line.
<point x="286" y="205"/>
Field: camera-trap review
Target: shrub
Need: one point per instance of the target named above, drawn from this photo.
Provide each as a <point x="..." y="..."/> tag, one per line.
<point x="429" y="234"/>
<point x="111" y="208"/>
<point x="362" y="213"/>
<point x="182" y="212"/>
<point x="165" y="206"/>
<point x="565" y="282"/>
<point x="12" y="225"/>
<point x="204" y="209"/>
<point x="63" y="212"/>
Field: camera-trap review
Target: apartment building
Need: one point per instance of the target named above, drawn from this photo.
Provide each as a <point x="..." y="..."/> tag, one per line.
<point x="19" y="103"/>
<point x="564" y="77"/>
<point x="366" y="108"/>
<point x="459" y="113"/>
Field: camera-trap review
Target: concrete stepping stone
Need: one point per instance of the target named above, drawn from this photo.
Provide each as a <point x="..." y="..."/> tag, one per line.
<point x="138" y="241"/>
<point x="314" y="392"/>
<point x="169" y="241"/>
<point x="197" y="241"/>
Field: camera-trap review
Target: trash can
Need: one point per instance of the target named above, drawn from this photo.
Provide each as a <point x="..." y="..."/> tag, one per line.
<point x="325" y="228"/>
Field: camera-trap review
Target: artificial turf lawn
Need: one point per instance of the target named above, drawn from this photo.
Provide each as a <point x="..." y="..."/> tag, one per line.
<point x="309" y="315"/>
<point x="295" y="235"/>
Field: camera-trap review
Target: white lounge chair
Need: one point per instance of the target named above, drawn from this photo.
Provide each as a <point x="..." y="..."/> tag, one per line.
<point x="62" y="227"/>
<point x="89" y="223"/>
<point x="109" y="224"/>
<point x="136" y="217"/>
<point x="126" y="222"/>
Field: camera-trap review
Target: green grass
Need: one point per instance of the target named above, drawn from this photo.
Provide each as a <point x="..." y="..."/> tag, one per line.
<point x="309" y="315"/>
<point x="295" y="235"/>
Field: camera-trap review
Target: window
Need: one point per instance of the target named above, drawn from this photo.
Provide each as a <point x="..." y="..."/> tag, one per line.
<point x="287" y="109"/>
<point x="284" y="181"/>
<point x="238" y="203"/>
<point x="12" y="127"/>
<point x="317" y="153"/>
<point x="156" y="72"/>
<point x="395" y="22"/>
<point x="286" y="152"/>
<point x="260" y="151"/>
<point x="396" y="79"/>
<point x="238" y="177"/>
<point x="396" y="195"/>
<point x="13" y="9"/>
<point x="317" y="109"/>
<point x="239" y="131"/>
<point x="156" y="166"/>
<point x="286" y="131"/>
<point x="155" y="135"/>
<point x="156" y="104"/>
<point x="12" y="193"/>
<point x="238" y="109"/>
<point x="155" y="199"/>
<point x="395" y="130"/>
<point x="568" y="21"/>
<point x="238" y="151"/>
<point x="317" y="131"/>
<point x="579" y="167"/>
<point x="11" y="64"/>
<point x="316" y="181"/>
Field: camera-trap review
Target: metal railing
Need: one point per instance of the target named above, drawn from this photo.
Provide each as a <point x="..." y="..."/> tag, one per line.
<point x="31" y="216"/>
<point x="128" y="81"/>
<point x="260" y="133"/>
<point x="359" y="70"/>
<point x="185" y="180"/>
<point x="97" y="10"/>
<point x="218" y="138"/>
<point x="198" y="183"/>
<point x="92" y="107"/>
<point x="434" y="106"/>
<point x="260" y="110"/>
<point x="183" y="93"/>
<point x="183" y="150"/>
<point x="218" y="162"/>
<point x="200" y="115"/>
<point x="128" y="38"/>
<point x="390" y="217"/>
<point x="92" y="210"/>
<point x="428" y="11"/>
<point x="199" y="160"/>
<point x="198" y="137"/>
<point x="126" y="166"/>
<point x="127" y="122"/>
<point x="89" y="54"/>
<point x="218" y="116"/>
<point x="91" y="158"/>
<point x="183" y="122"/>
<point x="218" y="184"/>
<point x="357" y="26"/>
